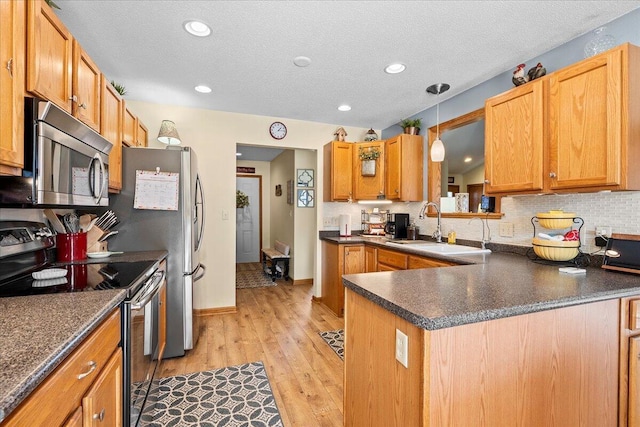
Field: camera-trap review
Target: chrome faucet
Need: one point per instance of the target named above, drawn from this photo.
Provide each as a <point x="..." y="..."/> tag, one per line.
<point x="487" y="239"/>
<point x="438" y="233"/>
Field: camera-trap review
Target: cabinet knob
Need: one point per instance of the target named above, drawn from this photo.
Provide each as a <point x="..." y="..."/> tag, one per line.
<point x="10" y="67"/>
<point x="486" y="181"/>
<point x="83" y="105"/>
<point x="552" y="174"/>
<point x="99" y="416"/>
<point x="397" y="191"/>
<point x="73" y="98"/>
<point x="92" y="367"/>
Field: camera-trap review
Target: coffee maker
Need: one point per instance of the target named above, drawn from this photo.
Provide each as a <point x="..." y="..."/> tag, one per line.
<point x="396" y="227"/>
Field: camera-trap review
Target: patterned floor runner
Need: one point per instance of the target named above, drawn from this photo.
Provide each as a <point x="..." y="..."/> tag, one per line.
<point x="233" y="396"/>
<point x="250" y="275"/>
<point x="335" y="339"/>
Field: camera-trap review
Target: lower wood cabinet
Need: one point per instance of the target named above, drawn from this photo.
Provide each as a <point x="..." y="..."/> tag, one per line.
<point x="336" y="261"/>
<point x="389" y="260"/>
<point x="630" y="363"/>
<point x="370" y="259"/>
<point x="86" y="386"/>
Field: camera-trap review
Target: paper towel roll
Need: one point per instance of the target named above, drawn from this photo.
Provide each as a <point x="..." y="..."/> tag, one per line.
<point x="345" y="225"/>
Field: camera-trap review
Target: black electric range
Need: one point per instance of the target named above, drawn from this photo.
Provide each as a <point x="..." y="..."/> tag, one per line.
<point x="26" y="248"/>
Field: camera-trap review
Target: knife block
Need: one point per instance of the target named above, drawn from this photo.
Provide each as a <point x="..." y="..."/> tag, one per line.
<point x="92" y="240"/>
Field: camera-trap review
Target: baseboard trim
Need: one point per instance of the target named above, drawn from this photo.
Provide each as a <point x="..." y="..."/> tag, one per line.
<point x="303" y="282"/>
<point x="215" y="311"/>
<point x="316" y="299"/>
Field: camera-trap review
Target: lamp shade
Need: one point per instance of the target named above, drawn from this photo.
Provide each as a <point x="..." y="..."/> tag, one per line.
<point x="437" y="151"/>
<point x="168" y="133"/>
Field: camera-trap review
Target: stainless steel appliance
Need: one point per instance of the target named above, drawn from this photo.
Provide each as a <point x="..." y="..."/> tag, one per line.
<point x="396" y="227"/>
<point x="27" y="247"/>
<point x="180" y="232"/>
<point x="66" y="163"/>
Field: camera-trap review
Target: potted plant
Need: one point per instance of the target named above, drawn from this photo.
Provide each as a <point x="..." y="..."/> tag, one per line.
<point x="369" y="156"/>
<point x="411" y="126"/>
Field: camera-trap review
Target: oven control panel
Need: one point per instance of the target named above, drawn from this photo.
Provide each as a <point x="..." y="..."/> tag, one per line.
<point x="23" y="236"/>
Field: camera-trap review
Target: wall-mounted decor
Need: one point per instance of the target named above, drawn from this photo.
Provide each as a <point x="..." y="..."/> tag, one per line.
<point x="452" y="179"/>
<point x="305" y="178"/>
<point x="245" y="169"/>
<point x="278" y="190"/>
<point x="290" y="192"/>
<point x="306" y="198"/>
<point x="368" y="157"/>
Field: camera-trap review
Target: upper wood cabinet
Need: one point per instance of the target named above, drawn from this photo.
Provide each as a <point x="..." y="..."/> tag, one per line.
<point x="338" y="171"/>
<point x="111" y="129"/>
<point x="573" y="130"/>
<point x="368" y="186"/>
<point x="12" y="81"/>
<point x="142" y="134"/>
<point x="87" y="82"/>
<point x="49" y="55"/>
<point x="404" y="168"/>
<point x="128" y="126"/>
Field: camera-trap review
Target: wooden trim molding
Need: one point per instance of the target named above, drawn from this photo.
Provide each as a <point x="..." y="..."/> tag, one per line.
<point x="303" y="282"/>
<point x="203" y="312"/>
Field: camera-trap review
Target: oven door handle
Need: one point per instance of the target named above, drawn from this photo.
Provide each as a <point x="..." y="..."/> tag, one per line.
<point x="150" y="291"/>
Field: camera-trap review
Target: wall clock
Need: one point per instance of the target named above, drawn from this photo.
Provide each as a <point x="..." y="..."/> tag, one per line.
<point x="278" y="130"/>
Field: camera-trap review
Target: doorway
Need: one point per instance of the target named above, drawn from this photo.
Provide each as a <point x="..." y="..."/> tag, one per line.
<point x="248" y="218"/>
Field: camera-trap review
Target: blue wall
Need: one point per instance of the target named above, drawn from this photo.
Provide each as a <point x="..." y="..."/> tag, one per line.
<point x="624" y="29"/>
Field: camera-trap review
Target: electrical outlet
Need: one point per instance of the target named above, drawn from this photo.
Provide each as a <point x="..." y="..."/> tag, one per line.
<point x="603" y="231"/>
<point x="506" y="229"/>
<point x="326" y="221"/>
<point x="402" y="348"/>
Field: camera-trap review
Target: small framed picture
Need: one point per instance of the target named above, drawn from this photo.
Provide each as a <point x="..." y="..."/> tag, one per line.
<point x="305" y="177"/>
<point x="306" y="198"/>
<point x="278" y="190"/>
<point x="290" y="192"/>
<point x="452" y="179"/>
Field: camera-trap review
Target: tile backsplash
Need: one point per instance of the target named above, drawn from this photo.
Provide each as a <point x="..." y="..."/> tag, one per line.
<point x="619" y="210"/>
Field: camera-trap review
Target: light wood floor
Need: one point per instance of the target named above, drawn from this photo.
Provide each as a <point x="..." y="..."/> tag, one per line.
<point x="278" y="325"/>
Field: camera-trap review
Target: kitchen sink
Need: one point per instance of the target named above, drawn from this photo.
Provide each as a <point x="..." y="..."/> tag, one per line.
<point x="441" y="248"/>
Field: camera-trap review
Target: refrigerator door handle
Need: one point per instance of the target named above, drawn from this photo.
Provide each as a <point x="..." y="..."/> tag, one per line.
<point x="200" y="190"/>
<point x="197" y="276"/>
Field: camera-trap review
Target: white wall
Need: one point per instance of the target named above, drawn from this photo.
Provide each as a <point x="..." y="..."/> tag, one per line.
<point x="214" y="135"/>
<point x="306" y="235"/>
<point x="282" y="213"/>
<point x="264" y="170"/>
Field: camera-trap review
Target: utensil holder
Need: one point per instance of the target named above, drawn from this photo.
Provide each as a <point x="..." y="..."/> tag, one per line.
<point x="93" y="236"/>
<point x="71" y="246"/>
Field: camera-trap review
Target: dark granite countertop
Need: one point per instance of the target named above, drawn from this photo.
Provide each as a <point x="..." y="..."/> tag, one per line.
<point x="492" y="286"/>
<point x="40" y="331"/>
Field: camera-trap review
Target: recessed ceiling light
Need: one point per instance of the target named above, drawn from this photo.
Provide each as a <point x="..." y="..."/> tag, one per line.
<point x="238" y="154"/>
<point x="467" y="159"/>
<point x="394" y="68"/>
<point x="203" y="89"/>
<point x="302" y="61"/>
<point x="344" y="107"/>
<point x="197" y="28"/>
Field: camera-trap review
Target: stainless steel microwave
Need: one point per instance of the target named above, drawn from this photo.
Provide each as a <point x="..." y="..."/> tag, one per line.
<point x="66" y="162"/>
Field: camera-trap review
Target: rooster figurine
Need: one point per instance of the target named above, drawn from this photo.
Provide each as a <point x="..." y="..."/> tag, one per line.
<point x="519" y="77"/>
<point x="536" y="72"/>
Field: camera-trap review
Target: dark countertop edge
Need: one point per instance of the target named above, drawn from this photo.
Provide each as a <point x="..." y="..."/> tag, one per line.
<point x="11" y="401"/>
<point x="124" y="257"/>
<point x="432" y="324"/>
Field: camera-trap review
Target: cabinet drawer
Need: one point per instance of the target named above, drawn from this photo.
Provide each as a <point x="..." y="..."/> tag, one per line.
<point x="61" y="393"/>
<point x="420" y="262"/>
<point x="393" y="259"/>
<point x="634" y="314"/>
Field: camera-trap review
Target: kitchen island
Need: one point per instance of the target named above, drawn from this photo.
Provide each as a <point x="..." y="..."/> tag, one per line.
<point x="502" y="341"/>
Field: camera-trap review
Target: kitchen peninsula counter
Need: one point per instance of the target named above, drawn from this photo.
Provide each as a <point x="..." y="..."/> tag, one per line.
<point x="40" y="331"/>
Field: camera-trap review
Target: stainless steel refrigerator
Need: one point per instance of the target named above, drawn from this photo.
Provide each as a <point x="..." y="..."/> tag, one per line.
<point x="180" y="232"/>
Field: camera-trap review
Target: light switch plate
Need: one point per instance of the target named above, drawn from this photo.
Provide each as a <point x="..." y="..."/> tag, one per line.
<point x="402" y="348"/>
<point x="506" y="229"/>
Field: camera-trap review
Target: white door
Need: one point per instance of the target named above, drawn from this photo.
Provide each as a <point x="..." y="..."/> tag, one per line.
<point x="248" y="221"/>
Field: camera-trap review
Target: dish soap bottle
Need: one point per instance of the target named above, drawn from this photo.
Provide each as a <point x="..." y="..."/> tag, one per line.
<point x="451" y="237"/>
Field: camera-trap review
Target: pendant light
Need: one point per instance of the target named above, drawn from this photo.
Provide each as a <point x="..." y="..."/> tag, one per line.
<point x="437" y="147"/>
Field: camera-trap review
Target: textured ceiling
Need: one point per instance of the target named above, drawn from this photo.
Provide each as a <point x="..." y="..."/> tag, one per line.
<point x="248" y="58"/>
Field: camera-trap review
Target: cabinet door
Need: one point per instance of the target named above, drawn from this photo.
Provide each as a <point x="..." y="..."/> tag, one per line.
<point x="634" y="382"/>
<point x="111" y="129"/>
<point x="367" y="186"/>
<point x="353" y="259"/>
<point x="514" y="139"/>
<point x="586" y="123"/>
<point x="128" y="126"/>
<point x="396" y="260"/>
<point x="12" y="80"/>
<point x="86" y="85"/>
<point x="404" y="168"/>
<point x="141" y="134"/>
<point x="75" y="420"/>
<point x="49" y="55"/>
<point x="420" y="262"/>
<point x="338" y="171"/>
<point x="370" y="259"/>
<point x="102" y="405"/>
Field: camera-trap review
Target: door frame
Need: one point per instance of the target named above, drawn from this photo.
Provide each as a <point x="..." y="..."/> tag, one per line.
<point x="259" y="177"/>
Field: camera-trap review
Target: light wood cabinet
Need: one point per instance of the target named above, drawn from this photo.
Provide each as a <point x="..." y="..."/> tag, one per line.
<point x="93" y="371"/>
<point x="629" y="405"/>
<point x="563" y="360"/>
<point x="404" y="168"/>
<point x="129" y="126"/>
<point x="368" y="187"/>
<point x="336" y="261"/>
<point x="573" y="130"/>
<point x="111" y="129"/>
<point x="12" y="82"/>
<point x="338" y="171"/>
<point x="390" y="260"/>
<point x="87" y="87"/>
<point x="370" y="259"/>
<point x="142" y="134"/>
<point x="423" y="262"/>
<point x="49" y="55"/>
<point x="634" y="382"/>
